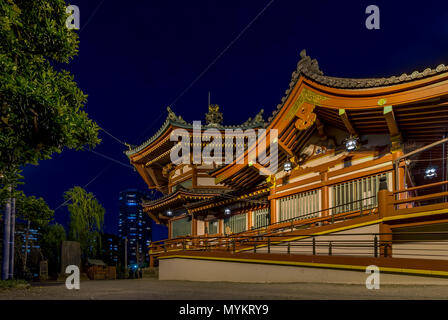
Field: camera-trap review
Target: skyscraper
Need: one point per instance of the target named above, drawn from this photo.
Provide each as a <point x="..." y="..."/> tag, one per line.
<point x="134" y="225"/>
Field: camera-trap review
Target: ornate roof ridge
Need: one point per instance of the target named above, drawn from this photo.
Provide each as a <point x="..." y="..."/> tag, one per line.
<point x="173" y="119"/>
<point x="309" y="68"/>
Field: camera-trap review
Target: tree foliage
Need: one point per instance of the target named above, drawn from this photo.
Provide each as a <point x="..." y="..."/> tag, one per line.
<point x="51" y="238"/>
<point x="33" y="209"/>
<point x="40" y="106"/>
<point x="86" y="220"/>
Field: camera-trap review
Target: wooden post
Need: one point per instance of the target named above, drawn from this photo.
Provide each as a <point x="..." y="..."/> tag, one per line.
<point x="194" y="226"/>
<point x="221" y="226"/>
<point x="249" y="220"/>
<point x="375" y="246"/>
<point x="385" y="240"/>
<point x="325" y="200"/>
<point x="273" y="211"/>
<point x="385" y="208"/>
<point x="383" y="199"/>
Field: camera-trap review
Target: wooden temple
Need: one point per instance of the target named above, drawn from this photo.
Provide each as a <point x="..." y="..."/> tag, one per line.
<point x="367" y="155"/>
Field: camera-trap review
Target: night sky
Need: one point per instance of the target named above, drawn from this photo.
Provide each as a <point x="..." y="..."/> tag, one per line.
<point x="136" y="57"/>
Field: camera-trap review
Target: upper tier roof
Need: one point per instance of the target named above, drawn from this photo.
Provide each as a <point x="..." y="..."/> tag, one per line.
<point x="309" y="68"/>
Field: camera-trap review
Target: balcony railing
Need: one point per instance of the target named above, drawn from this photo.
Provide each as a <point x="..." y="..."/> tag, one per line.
<point x="285" y="236"/>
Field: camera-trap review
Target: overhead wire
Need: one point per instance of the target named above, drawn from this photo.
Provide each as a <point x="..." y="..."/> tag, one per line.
<point x="175" y="100"/>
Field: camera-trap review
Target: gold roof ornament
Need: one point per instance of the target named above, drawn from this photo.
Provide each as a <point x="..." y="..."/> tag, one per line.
<point x="173" y="117"/>
<point x="213" y="117"/>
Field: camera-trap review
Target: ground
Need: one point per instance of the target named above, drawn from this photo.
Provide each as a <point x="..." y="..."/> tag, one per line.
<point x="153" y="289"/>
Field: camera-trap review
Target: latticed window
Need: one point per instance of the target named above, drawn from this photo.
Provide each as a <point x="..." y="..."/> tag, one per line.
<point x="303" y="205"/>
<point x="181" y="227"/>
<point x="213" y="227"/>
<point x="347" y="196"/>
<point x="236" y="223"/>
<point x="261" y="218"/>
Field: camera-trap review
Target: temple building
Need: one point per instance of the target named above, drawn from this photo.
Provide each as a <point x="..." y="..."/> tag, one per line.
<point x="361" y="174"/>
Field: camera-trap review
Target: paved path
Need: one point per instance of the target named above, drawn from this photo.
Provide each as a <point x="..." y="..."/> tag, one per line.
<point x="154" y="289"/>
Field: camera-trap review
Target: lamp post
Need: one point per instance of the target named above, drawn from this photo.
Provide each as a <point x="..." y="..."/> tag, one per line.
<point x="125" y="256"/>
<point x="6" y="238"/>
<point x="11" y="243"/>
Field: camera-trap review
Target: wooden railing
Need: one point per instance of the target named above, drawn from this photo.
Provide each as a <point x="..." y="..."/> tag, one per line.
<point x="280" y="233"/>
<point x="392" y="204"/>
<point x="230" y="242"/>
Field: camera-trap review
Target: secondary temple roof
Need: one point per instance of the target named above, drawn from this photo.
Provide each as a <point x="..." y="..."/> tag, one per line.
<point x="213" y="120"/>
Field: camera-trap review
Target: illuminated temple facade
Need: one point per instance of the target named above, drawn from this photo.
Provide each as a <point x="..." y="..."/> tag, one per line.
<point x="359" y="160"/>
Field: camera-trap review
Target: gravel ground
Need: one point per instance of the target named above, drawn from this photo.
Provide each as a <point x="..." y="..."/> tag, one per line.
<point x="153" y="289"/>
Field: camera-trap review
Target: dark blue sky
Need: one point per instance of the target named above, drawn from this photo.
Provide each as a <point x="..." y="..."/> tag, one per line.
<point x="137" y="56"/>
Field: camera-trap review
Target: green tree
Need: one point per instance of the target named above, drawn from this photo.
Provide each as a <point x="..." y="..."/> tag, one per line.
<point x="86" y="220"/>
<point x="51" y="238"/>
<point x="40" y="105"/>
<point x="36" y="213"/>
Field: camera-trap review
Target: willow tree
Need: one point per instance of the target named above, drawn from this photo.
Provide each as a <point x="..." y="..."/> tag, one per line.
<point x="86" y="220"/>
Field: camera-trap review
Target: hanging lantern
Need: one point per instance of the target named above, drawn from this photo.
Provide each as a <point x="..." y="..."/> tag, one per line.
<point x="430" y="172"/>
<point x="169" y="213"/>
<point x="351" y="143"/>
<point x="287" y="166"/>
<point x="227" y="211"/>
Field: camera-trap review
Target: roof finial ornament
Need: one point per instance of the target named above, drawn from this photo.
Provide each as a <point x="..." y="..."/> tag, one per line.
<point x="307" y="65"/>
<point x="213" y="117"/>
<point x="172" y="116"/>
<point x="258" y="120"/>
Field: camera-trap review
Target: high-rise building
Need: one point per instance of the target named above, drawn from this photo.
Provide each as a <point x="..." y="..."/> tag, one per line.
<point x="111" y="251"/>
<point x="134" y="225"/>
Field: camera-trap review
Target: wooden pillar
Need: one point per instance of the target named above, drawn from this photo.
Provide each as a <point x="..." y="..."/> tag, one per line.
<point x="273" y="211"/>
<point x="194" y="226"/>
<point x="385" y="240"/>
<point x="402" y="186"/>
<point x="151" y="261"/>
<point x="325" y="199"/>
<point x="170" y="231"/>
<point x="249" y="220"/>
<point x="385" y="208"/>
<point x="221" y="226"/>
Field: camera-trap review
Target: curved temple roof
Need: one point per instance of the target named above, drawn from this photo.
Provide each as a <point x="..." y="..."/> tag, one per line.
<point x="309" y="68"/>
<point x="410" y="107"/>
<point x="177" y="121"/>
